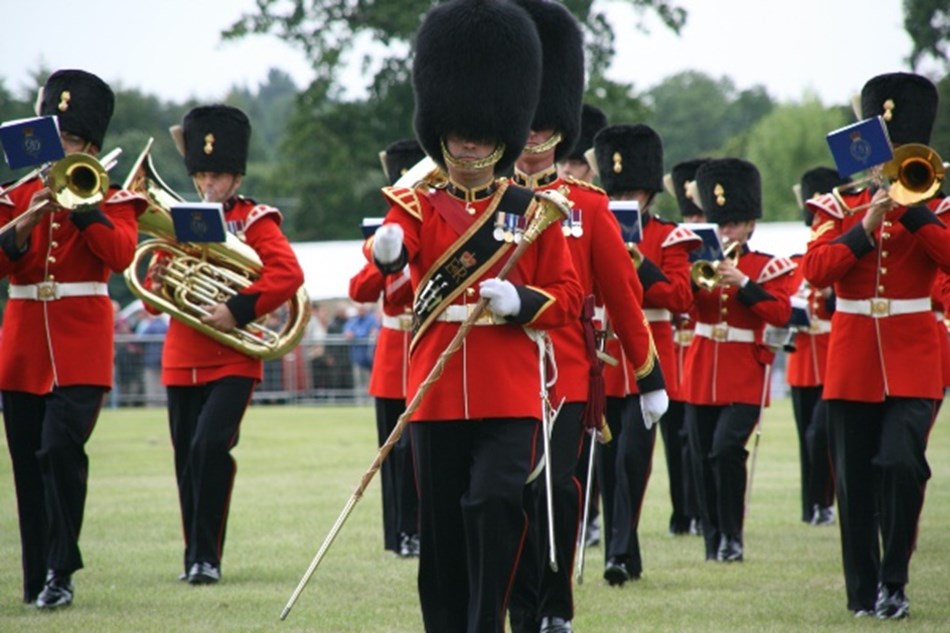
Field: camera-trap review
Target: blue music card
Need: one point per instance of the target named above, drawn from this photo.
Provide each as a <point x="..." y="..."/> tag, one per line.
<point x="860" y="146"/>
<point x="31" y="142"/>
<point x="369" y="226"/>
<point x="711" y="249"/>
<point x="199" y="222"/>
<point x="627" y="213"/>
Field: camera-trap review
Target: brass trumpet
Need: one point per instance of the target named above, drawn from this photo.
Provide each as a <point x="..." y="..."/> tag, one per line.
<point x="705" y="273"/>
<point x="79" y="182"/>
<point x="197" y="278"/>
<point x="913" y="175"/>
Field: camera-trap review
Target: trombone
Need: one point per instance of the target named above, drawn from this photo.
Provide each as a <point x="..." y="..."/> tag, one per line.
<point x="705" y="273"/>
<point x="79" y="182"/>
<point x="913" y="175"/>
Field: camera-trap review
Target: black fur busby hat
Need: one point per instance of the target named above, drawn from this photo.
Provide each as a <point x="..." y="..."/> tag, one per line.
<point x="683" y="176"/>
<point x="908" y="103"/>
<point x="562" y="72"/>
<point x="216" y="138"/>
<point x="82" y="102"/>
<point x="629" y="157"/>
<point x="730" y="190"/>
<point x="399" y="157"/>
<point x="816" y="182"/>
<point x="476" y="73"/>
<point x="593" y="120"/>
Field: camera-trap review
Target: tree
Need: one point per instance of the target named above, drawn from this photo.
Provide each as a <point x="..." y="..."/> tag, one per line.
<point x="928" y="24"/>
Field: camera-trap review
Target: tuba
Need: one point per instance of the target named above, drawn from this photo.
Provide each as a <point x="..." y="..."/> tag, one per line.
<point x="196" y="277"/>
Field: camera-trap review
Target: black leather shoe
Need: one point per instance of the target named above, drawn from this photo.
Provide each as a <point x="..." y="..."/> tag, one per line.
<point x="615" y="572"/>
<point x="555" y="625"/>
<point x="203" y="574"/>
<point x="408" y="545"/>
<point x="823" y="516"/>
<point x="730" y="550"/>
<point x="891" y="604"/>
<point x="58" y="591"/>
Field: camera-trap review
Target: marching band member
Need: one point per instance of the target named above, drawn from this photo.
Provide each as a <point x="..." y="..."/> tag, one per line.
<point x="882" y="261"/>
<point x="476" y="77"/>
<point x="387" y="382"/>
<point x="58" y="263"/>
<point x="542" y="599"/>
<point x="686" y="511"/>
<point x="630" y="163"/>
<point x="805" y="371"/>
<point x="210" y="384"/>
<point x="727" y="362"/>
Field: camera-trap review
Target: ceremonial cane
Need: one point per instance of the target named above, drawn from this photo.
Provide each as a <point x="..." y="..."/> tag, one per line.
<point x="552" y="208"/>
<point x="758" y="434"/>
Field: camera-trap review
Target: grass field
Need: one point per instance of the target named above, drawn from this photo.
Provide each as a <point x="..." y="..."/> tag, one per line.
<point x="298" y="465"/>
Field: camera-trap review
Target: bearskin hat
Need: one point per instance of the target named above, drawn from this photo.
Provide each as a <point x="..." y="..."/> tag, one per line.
<point x="562" y="72"/>
<point x="908" y="103"/>
<point x="730" y="190"/>
<point x="82" y="103"/>
<point x="683" y="176"/>
<point x="629" y="157"/>
<point x="216" y="138"/>
<point x="816" y="182"/>
<point x="593" y="120"/>
<point x="476" y="73"/>
<point x="399" y="157"/>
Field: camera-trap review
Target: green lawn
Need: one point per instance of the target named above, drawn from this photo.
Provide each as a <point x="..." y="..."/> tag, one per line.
<point x="298" y="465"/>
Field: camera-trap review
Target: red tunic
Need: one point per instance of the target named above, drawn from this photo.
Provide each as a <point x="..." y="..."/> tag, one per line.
<point x="722" y="372"/>
<point x="192" y="358"/>
<point x="805" y="367"/>
<point x="390" y="372"/>
<point x="664" y="275"/>
<point x="873" y="357"/>
<point x="66" y="341"/>
<point x="941" y="305"/>
<point x="495" y="374"/>
<point x="601" y="259"/>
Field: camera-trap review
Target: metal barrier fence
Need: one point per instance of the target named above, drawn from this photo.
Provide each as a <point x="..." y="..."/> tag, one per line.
<point x="315" y="372"/>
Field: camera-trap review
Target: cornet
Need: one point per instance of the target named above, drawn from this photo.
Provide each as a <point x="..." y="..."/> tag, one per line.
<point x="705" y="273"/>
<point x="913" y="175"/>
<point x="79" y="182"/>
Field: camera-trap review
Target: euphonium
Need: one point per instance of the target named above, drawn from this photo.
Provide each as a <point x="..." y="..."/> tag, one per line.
<point x="913" y="175"/>
<point x="196" y="278"/>
<point x="705" y="273"/>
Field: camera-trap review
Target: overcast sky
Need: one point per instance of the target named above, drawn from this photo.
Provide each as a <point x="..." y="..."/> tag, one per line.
<point x="173" y="49"/>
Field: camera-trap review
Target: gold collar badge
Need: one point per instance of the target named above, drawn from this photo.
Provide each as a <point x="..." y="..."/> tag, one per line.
<point x="64" y="98"/>
<point x="209" y="143"/>
<point x="720" y="194"/>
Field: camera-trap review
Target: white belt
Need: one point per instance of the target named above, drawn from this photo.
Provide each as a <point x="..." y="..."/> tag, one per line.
<point x="403" y="322"/>
<point x="52" y="290"/>
<point x="725" y="333"/>
<point x="818" y="326"/>
<point x="683" y="337"/>
<point x="458" y="313"/>
<point x="880" y="307"/>
<point x="657" y="314"/>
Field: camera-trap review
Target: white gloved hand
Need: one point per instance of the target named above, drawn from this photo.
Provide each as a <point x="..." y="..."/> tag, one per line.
<point x="653" y="404"/>
<point x="502" y="296"/>
<point x="387" y="243"/>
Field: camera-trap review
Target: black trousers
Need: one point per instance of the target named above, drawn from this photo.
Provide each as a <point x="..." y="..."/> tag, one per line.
<point x="676" y="449"/>
<point x="204" y="422"/>
<point x="633" y="467"/>
<point x="46" y="436"/>
<point x="471" y="476"/>
<point x="397" y="481"/>
<point x="538" y="590"/>
<point x="881" y="472"/>
<point x="811" y="421"/>
<point x="717" y="439"/>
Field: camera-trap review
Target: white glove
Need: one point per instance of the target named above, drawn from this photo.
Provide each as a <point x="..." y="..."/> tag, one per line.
<point x="653" y="404"/>
<point x="502" y="297"/>
<point x="387" y="243"/>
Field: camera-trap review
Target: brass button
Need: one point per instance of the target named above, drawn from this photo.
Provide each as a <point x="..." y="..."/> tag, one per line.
<point x="50" y="277"/>
<point x="885" y="235"/>
<point x="880" y="288"/>
<point x="469" y="292"/>
<point x="55" y="225"/>
<point x="51" y="259"/>
<point x="883" y="270"/>
<point x="884" y="253"/>
<point x="54" y="244"/>
<point x="725" y="310"/>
